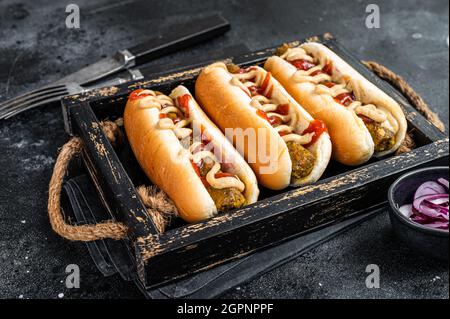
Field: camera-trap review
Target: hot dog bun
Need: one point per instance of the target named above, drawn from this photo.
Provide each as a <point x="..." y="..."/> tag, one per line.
<point x="238" y="165"/>
<point x="229" y="107"/>
<point x="352" y="142"/>
<point x="167" y="163"/>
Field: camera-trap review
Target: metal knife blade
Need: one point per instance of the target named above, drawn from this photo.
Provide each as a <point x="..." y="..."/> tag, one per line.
<point x="152" y="71"/>
<point x="96" y="71"/>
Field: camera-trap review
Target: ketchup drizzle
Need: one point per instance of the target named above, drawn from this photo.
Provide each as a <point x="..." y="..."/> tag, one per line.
<point x="136" y="95"/>
<point x="317" y="127"/>
<point x="220" y="175"/>
<point x="183" y="102"/>
<point x="302" y="64"/>
<point x="345" y="98"/>
<point x="263" y="115"/>
<point x="282" y="109"/>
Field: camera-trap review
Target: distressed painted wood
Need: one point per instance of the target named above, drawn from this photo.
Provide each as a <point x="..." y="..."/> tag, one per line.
<point x="116" y="189"/>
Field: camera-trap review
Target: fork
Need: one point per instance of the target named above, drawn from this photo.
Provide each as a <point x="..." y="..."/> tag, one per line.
<point x="44" y="95"/>
<point x="54" y="92"/>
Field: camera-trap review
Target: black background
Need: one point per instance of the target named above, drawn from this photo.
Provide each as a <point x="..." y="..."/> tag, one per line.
<point x="36" y="48"/>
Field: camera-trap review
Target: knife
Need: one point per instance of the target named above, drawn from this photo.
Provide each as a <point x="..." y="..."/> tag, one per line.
<point x="176" y="38"/>
<point x="154" y="71"/>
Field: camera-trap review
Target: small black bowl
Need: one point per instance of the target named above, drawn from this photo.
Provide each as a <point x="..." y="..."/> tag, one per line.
<point x="428" y="241"/>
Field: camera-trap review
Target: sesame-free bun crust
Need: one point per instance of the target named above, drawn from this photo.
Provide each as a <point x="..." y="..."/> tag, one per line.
<point x="167" y="164"/>
<point x="238" y="165"/>
<point x="229" y="107"/>
<point x="352" y="143"/>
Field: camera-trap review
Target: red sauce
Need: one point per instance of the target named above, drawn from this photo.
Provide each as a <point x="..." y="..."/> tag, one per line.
<point x="183" y="102"/>
<point x="254" y="90"/>
<point x="282" y="109"/>
<point x="302" y="64"/>
<point x="328" y="69"/>
<point x="262" y="114"/>
<point x="306" y="65"/>
<point x="275" y="120"/>
<point x="197" y="171"/>
<point x="164" y="116"/>
<point x="316" y="73"/>
<point x="345" y="99"/>
<point x="269" y="93"/>
<point x="265" y="83"/>
<point x="136" y="94"/>
<point x="220" y="175"/>
<point x="329" y="84"/>
<point x="317" y="127"/>
<point x="283" y="133"/>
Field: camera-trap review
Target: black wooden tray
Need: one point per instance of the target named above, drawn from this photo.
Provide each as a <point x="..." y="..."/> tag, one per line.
<point x="185" y="249"/>
<point x="81" y="204"/>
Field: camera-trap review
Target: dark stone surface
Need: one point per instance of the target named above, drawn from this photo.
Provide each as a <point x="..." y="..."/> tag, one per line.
<point x="36" y="47"/>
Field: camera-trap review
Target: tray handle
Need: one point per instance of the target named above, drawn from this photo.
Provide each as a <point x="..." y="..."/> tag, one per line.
<point x="108" y="229"/>
<point x="384" y="73"/>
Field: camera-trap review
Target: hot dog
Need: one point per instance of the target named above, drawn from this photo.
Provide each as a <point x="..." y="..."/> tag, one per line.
<point x="186" y="155"/>
<point x="287" y="146"/>
<point x="362" y="120"/>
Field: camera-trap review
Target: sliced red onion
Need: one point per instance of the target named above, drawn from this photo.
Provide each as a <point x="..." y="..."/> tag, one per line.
<point x="429" y="188"/>
<point x="406" y="210"/>
<point x="443" y="181"/>
<point x="430" y="207"/>
<point x="420" y="205"/>
<point x="441" y="200"/>
<point x="440" y="207"/>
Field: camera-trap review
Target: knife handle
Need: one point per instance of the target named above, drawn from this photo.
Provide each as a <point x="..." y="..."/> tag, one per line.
<point x="176" y="38"/>
<point x="152" y="71"/>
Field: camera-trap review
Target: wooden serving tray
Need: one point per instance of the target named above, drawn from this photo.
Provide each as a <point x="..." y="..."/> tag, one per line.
<point x="185" y="249"/>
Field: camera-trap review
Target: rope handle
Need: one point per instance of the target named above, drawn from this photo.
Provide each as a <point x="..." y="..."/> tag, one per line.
<point x="108" y="229"/>
<point x="414" y="98"/>
<point x="115" y="230"/>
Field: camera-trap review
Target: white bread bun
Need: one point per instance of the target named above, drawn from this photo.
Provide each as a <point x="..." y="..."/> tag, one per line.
<point x="352" y="142"/>
<point x="239" y="166"/>
<point x="366" y="91"/>
<point x="321" y="149"/>
<point x="167" y="163"/>
<point x="229" y="107"/>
